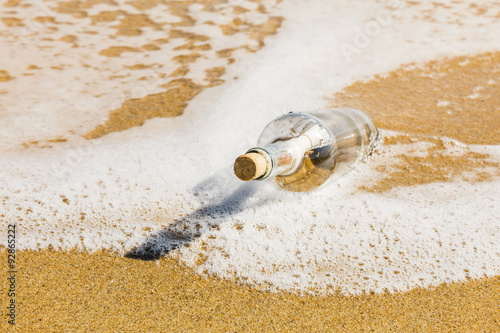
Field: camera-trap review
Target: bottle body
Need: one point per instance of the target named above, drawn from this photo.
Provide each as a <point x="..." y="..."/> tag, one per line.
<point x="304" y="151"/>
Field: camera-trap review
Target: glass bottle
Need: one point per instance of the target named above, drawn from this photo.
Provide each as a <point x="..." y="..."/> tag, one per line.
<point x="304" y="151"/>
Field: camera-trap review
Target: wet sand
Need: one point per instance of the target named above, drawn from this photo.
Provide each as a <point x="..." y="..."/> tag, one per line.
<point x="63" y="291"/>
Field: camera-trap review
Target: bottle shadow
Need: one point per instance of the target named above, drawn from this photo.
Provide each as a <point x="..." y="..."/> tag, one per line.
<point x="187" y="229"/>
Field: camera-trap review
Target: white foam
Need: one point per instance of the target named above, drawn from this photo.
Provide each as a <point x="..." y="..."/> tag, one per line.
<point x="125" y="189"/>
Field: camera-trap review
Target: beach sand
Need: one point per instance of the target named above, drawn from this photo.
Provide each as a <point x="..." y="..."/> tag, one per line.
<point x="103" y="291"/>
<point x="70" y="291"/>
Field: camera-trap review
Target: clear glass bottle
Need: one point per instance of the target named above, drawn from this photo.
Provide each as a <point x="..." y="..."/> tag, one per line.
<point x="304" y="151"/>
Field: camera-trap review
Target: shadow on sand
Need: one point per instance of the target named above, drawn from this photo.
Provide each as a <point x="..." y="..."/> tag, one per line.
<point x="185" y="230"/>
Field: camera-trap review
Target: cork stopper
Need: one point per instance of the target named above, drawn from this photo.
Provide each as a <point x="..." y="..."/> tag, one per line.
<point x="250" y="166"/>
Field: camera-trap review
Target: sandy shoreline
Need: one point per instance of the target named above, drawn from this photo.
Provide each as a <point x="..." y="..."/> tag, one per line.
<point x="124" y="63"/>
<point x="75" y="291"/>
<point x="103" y="291"/>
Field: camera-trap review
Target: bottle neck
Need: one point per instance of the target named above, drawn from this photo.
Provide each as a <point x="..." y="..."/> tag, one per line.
<point x="283" y="157"/>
